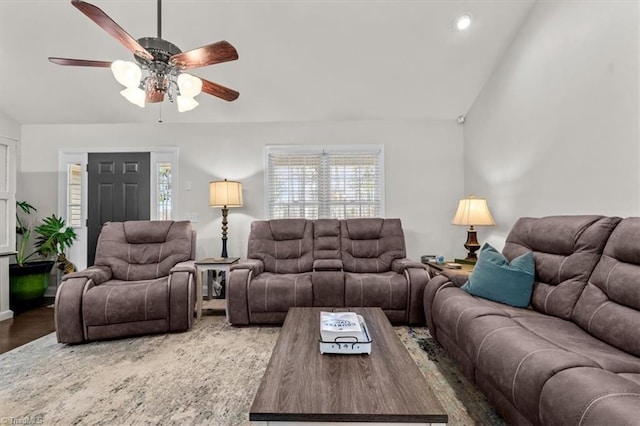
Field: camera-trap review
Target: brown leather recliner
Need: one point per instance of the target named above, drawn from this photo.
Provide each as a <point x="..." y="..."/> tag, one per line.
<point x="143" y="281"/>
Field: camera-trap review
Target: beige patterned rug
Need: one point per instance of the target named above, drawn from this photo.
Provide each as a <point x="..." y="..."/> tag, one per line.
<point x="206" y="376"/>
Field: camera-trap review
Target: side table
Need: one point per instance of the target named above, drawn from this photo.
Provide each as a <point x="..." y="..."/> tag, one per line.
<point x="219" y="265"/>
<point x="437" y="268"/>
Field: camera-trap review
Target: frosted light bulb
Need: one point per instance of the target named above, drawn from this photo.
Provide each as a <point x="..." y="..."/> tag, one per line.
<point x="134" y="95"/>
<point x="126" y="73"/>
<point x="189" y="85"/>
<point x="186" y="103"/>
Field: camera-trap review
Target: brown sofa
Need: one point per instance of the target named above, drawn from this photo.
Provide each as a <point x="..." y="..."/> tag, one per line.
<point x="142" y="282"/>
<point x="329" y="263"/>
<point x="572" y="357"/>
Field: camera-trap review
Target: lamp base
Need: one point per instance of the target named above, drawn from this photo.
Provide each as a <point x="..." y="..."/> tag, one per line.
<point x="472" y="245"/>
<point x="225" y="212"/>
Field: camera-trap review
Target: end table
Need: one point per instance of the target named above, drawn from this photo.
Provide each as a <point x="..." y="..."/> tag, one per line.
<point x="218" y="264"/>
<point x="437" y="268"/>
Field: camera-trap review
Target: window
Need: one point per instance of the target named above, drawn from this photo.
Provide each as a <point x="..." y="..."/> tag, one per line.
<point x="324" y="182"/>
<point x="164" y="191"/>
<point x="74" y="195"/>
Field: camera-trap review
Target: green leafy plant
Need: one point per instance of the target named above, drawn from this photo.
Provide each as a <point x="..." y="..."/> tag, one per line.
<point x="53" y="235"/>
<point x="24" y="230"/>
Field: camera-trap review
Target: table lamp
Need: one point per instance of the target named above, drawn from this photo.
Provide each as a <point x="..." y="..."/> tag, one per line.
<point x="225" y="194"/>
<point x="472" y="212"/>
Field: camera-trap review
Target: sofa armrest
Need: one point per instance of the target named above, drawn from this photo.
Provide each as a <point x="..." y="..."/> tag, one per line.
<point x="255" y="265"/>
<point x="456" y="278"/>
<point x="327" y="265"/>
<point x="432" y="288"/>
<point x="237" y="293"/>
<point x="401" y="265"/>
<point x="182" y="295"/>
<point x="98" y="274"/>
<point x="186" y="266"/>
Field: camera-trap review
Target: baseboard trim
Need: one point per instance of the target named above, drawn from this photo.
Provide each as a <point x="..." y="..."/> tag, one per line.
<point x="5" y="315"/>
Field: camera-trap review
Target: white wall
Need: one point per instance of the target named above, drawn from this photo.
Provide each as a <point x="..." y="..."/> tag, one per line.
<point x="555" y="129"/>
<point x="9" y="128"/>
<point x="423" y="160"/>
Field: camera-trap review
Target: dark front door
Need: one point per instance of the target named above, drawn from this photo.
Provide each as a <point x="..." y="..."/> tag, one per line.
<point x="119" y="190"/>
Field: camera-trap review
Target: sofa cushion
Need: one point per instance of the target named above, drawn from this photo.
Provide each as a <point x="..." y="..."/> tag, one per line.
<point x="590" y="397"/>
<point x="609" y="307"/>
<point x="370" y="245"/>
<point x="387" y="290"/>
<point x="117" y="301"/>
<point x="516" y="361"/>
<point x="285" y="246"/>
<point x="143" y="250"/>
<point x="269" y="292"/>
<point x="566" y="250"/>
<point x="495" y="278"/>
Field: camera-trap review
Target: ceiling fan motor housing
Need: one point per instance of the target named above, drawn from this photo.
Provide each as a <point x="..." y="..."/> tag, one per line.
<point x="159" y="83"/>
<point x="162" y="50"/>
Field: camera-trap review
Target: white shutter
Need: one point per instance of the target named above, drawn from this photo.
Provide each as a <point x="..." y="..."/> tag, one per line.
<point x="292" y="185"/>
<point x="7" y="195"/>
<point x="324" y="182"/>
<point x="74" y="195"/>
<point x="354" y="185"/>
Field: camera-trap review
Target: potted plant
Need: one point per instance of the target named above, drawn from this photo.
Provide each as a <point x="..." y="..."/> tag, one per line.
<point x="29" y="278"/>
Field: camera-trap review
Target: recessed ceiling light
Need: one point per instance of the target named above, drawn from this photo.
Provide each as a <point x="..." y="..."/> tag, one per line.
<point x="463" y="22"/>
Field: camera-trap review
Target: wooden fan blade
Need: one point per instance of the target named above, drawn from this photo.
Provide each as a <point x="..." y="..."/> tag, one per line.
<point x="210" y="54"/>
<point x="220" y="91"/>
<point x="80" y="62"/>
<point x="109" y="25"/>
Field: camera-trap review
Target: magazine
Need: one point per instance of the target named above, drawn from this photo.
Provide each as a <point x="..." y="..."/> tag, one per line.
<point x="341" y="326"/>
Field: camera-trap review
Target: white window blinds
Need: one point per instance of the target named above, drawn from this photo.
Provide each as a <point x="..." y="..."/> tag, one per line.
<point x="313" y="183"/>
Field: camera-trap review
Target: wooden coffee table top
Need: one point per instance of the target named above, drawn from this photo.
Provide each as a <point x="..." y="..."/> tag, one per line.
<point x="300" y="384"/>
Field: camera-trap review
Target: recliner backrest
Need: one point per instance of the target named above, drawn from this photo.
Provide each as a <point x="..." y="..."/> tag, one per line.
<point x="143" y="250"/>
<point x="285" y="246"/>
<point x="370" y="245"/>
<point x="566" y="250"/>
<point x="326" y="239"/>
<point x="609" y="306"/>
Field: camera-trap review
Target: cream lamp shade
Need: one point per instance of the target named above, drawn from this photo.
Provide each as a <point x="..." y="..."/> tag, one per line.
<point x="472" y="212"/>
<point x="225" y="193"/>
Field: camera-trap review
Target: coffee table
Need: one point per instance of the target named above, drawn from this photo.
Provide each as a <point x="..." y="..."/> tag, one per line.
<point x="302" y="385"/>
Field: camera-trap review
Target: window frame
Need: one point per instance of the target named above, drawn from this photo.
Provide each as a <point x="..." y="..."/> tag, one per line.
<point x="324" y="205"/>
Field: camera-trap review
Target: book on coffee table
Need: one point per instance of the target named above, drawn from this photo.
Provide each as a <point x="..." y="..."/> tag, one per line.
<point x="344" y="333"/>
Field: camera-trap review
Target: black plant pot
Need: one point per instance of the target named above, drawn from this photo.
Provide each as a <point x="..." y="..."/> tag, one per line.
<point x="28" y="283"/>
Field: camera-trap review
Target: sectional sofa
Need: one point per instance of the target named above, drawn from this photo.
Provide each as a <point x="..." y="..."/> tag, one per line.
<point x="573" y="356"/>
<point x="328" y="263"/>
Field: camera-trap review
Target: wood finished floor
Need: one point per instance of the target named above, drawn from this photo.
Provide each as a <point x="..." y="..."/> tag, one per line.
<point x="25" y="327"/>
<point x="35" y="323"/>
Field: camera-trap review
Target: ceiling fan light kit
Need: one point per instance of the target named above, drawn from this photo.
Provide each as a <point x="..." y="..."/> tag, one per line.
<point x="135" y="95"/>
<point x="162" y="60"/>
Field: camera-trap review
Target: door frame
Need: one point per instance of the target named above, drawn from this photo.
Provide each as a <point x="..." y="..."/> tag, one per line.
<point x="78" y="252"/>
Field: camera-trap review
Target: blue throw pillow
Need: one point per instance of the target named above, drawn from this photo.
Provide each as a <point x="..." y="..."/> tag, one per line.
<point x="496" y="279"/>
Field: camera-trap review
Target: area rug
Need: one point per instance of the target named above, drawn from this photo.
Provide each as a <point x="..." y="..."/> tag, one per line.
<point x="206" y="376"/>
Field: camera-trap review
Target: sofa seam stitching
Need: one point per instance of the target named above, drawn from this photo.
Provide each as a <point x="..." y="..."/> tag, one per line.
<point x="601" y="397"/>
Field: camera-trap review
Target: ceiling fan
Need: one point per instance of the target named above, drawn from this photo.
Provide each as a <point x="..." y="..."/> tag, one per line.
<point x="163" y="60"/>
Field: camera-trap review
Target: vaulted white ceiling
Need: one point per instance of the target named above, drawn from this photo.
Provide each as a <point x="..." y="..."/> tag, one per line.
<point x="300" y="60"/>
